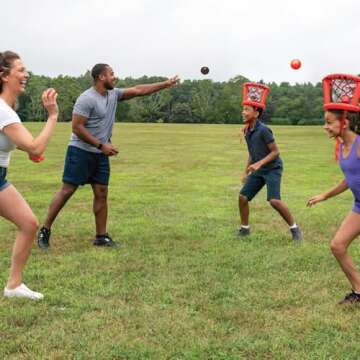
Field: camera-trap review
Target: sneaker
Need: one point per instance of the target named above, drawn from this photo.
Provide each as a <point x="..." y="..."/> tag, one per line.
<point x="350" y="298"/>
<point x="243" y="232"/>
<point x="105" y="240"/>
<point x="22" y="291"/>
<point x="296" y="233"/>
<point x="43" y="238"/>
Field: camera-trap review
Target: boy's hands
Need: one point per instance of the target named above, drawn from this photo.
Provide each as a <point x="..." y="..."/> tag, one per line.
<point x="253" y="167"/>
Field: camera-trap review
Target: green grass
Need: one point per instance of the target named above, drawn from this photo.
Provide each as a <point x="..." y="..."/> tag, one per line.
<point x="183" y="286"/>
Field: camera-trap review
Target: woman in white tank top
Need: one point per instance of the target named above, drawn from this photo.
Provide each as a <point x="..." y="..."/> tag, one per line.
<point x="13" y="207"/>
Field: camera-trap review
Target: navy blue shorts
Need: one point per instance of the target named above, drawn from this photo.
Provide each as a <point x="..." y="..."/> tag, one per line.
<point x="85" y="167"/>
<point x="256" y="181"/>
<point x="3" y="182"/>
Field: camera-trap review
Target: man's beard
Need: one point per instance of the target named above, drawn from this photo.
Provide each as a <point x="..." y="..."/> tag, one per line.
<point x="108" y="86"/>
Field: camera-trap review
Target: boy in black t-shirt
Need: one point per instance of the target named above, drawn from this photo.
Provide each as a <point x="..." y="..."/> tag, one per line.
<point x="264" y="165"/>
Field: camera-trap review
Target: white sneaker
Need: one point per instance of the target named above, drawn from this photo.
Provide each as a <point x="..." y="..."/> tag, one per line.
<point x="24" y="292"/>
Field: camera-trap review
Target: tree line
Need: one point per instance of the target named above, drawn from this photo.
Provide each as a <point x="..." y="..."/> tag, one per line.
<point x="192" y="101"/>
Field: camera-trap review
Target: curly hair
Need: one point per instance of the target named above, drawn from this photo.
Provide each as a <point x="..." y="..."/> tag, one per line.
<point x="352" y="116"/>
<point x="6" y="60"/>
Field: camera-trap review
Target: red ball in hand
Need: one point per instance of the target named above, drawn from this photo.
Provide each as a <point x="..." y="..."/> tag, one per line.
<point x="37" y="159"/>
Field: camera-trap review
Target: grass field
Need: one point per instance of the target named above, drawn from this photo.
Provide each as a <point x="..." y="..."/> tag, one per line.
<point x="183" y="286"/>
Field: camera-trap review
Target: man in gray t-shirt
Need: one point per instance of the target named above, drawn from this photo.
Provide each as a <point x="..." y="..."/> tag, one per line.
<point x="99" y="110"/>
<point x="87" y="157"/>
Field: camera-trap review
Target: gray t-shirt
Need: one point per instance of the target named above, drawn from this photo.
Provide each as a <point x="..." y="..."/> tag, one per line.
<point x="100" y="113"/>
<point x="7" y="116"/>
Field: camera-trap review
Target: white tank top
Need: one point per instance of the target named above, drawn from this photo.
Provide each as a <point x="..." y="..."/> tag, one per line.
<point x="7" y="116"/>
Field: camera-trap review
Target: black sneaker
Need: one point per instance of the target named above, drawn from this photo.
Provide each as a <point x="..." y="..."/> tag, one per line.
<point x="297" y="235"/>
<point x="105" y="240"/>
<point x="243" y="232"/>
<point x="350" y="299"/>
<point x="43" y="238"/>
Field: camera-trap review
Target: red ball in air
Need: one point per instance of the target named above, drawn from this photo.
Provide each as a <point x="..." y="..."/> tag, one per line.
<point x="345" y="99"/>
<point x="295" y="64"/>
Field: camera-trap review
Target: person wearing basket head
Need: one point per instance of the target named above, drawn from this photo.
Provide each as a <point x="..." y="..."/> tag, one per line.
<point x="264" y="166"/>
<point x="13" y="207"/>
<point x="342" y="122"/>
<point x="87" y="157"/>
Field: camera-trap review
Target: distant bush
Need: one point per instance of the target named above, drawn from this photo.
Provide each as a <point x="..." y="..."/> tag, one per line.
<point x="280" y="121"/>
<point x="311" y="122"/>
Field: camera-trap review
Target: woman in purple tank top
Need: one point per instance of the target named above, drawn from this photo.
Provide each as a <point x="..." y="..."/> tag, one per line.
<point x="342" y="122"/>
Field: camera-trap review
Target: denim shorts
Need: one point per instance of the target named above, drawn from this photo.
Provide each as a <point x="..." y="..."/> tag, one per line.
<point x="3" y="182"/>
<point x="85" y="167"/>
<point x="256" y="181"/>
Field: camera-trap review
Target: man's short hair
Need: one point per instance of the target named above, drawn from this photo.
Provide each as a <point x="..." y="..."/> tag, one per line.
<point x="97" y="70"/>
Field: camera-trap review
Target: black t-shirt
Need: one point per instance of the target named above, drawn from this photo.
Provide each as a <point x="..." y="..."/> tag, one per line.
<point x="257" y="141"/>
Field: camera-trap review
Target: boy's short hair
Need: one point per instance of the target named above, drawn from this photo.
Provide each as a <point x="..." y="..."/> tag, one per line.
<point x="259" y="110"/>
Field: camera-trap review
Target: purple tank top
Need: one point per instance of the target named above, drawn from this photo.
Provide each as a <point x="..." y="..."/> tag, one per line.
<point x="351" y="169"/>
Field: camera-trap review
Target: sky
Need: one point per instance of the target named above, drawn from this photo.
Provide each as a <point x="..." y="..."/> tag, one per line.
<point x="256" y="39"/>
